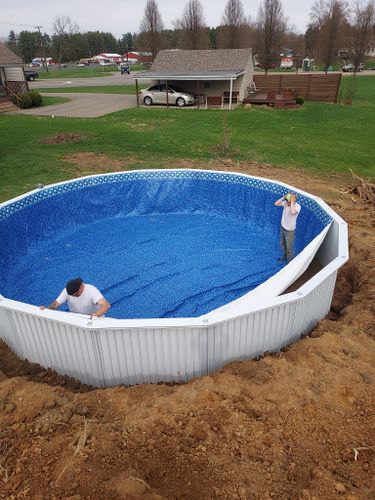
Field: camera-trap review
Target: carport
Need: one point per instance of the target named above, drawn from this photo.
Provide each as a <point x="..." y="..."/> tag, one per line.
<point x="217" y="77"/>
<point x="200" y="84"/>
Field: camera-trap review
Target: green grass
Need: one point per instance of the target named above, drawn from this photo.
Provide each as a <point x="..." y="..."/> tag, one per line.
<point x="48" y="101"/>
<point x="100" y="89"/>
<point x="318" y="137"/>
<point x="87" y="72"/>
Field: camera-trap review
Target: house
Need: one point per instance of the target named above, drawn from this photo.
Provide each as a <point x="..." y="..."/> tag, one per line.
<point x="138" y="57"/>
<point x="110" y="58"/>
<point x="216" y="76"/>
<point x="12" y="76"/>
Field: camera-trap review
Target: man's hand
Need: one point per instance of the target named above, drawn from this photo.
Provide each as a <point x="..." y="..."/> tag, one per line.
<point x="104" y="306"/>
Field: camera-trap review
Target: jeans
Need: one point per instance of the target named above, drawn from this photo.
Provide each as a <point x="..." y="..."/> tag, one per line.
<point x="287" y="243"/>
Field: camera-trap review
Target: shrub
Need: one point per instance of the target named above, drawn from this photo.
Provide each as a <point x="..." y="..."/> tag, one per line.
<point x="36" y="98"/>
<point x="300" y="100"/>
<point x="26" y="101"/>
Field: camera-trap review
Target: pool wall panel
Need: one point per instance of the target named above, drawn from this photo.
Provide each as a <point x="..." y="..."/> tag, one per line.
<point x="136" y="356"/>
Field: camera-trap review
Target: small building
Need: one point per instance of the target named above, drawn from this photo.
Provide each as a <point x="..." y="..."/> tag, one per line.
<point x="112" y="58"/>
<point x="215" y="76"/>
<point x="12" y="76"/>
<point x="138" y="57"/>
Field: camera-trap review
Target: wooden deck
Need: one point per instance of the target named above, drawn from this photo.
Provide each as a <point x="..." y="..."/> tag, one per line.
<point x="272" y="99"/>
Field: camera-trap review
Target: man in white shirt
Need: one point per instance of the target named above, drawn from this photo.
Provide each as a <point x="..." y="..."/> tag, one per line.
<point x="291" y="210"/>
<point x="81" y="298"/>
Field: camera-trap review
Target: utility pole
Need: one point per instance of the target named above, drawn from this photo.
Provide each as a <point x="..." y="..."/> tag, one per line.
<point x="45" y="65"/>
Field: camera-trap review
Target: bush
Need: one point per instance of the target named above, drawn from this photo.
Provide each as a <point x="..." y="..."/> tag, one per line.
<point x="36" y="98"/>
<point x="300" y="100"/>
<point x="25" y="101"/>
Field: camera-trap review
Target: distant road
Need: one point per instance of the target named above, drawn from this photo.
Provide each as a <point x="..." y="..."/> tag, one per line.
<point x="116" y="79"/>
<point x="119" y="79"/>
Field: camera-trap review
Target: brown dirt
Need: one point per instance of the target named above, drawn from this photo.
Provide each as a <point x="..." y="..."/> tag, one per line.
<point x="286" y="426"/>
<point x="87" y="163"/>
<point x="65" y="138"/>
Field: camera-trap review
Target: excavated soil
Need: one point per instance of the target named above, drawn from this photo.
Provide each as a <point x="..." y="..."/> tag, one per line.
<point x="299" y="424"/>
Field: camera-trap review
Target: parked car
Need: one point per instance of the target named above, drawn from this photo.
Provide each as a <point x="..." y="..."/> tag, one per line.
<point x="125" y="69"/>
<point x="156" y="94"/>
<point x="348" y="68"/>
<point x="30" y="75"/>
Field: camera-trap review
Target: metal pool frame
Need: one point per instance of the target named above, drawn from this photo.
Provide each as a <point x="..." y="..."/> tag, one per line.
<point x="107" y="352"/>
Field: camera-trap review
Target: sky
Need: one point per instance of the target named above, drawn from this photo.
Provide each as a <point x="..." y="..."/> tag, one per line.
<point x="123" y="16"/>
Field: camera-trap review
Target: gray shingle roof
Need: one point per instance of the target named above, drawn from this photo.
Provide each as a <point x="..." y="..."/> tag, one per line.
<point x="7" y="56"/>
<point x="201" y="60"/>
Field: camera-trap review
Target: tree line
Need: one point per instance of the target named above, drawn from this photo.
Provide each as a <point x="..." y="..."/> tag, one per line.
<point x="333" y="25"/>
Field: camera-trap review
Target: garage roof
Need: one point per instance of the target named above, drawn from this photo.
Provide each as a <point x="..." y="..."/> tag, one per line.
<point x="189" y="75"/>
<point x="198" y="64"/>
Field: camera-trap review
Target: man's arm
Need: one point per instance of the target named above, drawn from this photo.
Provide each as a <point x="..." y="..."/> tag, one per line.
<point x="54" y="305"/>
<point x="104" y="306"/>
<point x="279" y="202"/>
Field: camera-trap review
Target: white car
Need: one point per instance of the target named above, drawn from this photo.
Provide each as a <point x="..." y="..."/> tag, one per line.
<point x="156" y="94"/>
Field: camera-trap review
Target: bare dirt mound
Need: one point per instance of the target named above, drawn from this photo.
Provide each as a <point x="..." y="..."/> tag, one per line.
<point x="296" y="425"/>
<point x="65" y="138"/>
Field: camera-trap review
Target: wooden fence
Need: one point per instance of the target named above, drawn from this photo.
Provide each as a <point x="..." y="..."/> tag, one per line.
<point x="311" y="87"/>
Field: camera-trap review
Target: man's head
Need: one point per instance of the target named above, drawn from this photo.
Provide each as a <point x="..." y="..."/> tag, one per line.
<point x="74" y="287"/>
<point x="290" y="197"/>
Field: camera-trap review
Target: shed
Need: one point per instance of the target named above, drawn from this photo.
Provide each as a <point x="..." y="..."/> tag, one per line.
<point x="12" y="76"/>
<point x="213" y="75"/>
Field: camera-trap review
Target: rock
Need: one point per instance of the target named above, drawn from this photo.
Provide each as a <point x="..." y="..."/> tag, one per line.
<point x="366" y="378"/>
<point x="81" y="410"/>
<point x="340" y="487"/>
<point x="9" y="408"/>
<point x="62" y="400"/>
<point x="199" y="434"/>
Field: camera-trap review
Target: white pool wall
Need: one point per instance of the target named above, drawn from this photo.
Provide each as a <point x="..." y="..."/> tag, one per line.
<point x="107" y="352"/>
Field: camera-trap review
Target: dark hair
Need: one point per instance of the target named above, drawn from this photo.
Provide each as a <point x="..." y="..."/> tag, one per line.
<point x="73" y="286"/>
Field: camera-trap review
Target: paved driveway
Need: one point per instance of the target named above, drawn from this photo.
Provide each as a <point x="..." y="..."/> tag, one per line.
<point x="85" y="105"/>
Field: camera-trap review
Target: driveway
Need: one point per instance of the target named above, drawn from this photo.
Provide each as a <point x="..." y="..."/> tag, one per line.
<point x="85" y="105"/>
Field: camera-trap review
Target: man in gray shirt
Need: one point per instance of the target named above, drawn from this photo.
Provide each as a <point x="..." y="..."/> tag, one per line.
<point x="291" y="209"/>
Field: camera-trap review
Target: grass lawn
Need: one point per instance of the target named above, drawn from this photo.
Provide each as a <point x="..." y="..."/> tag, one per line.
<point x="318" y="136"/>
<point x="86" y="72"/>
<point x="100" y="89"/>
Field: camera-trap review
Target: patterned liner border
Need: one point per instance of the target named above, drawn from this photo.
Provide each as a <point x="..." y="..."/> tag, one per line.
<point x="49" y="192"/>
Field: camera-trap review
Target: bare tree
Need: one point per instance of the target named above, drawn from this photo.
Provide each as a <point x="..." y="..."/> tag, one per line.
<point x="194" y="34"/>
<point x="151" y="28"/>
<point x="271" y="26"/>
<point x="329" y="17"/>
<point x="63" y="26"/>
<point x="233" y="29"/>
<point x="363" y="22"/>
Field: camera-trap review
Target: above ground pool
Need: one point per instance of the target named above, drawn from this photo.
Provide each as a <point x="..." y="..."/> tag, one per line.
<point x="158" y="244"/>
<point x="188" y="260"/>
